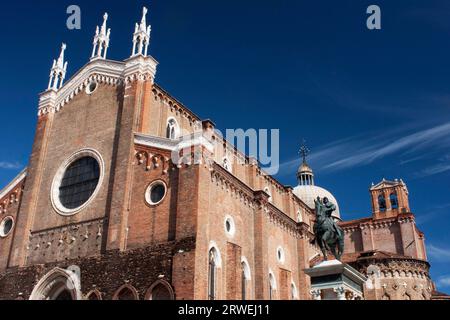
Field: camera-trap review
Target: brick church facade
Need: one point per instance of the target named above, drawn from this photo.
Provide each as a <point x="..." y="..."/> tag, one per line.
<point x="103" y="211"/>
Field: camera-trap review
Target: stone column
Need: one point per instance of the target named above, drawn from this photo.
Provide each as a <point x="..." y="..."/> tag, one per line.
<point x="316" y="294"/>
<point x="340" y="292"/>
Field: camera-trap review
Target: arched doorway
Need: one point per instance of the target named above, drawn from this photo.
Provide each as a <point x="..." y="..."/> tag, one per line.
<point x="58" y="284"/>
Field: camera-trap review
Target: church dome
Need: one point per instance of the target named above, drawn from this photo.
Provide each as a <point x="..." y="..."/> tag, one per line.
<point x="309" y="193"/>
<point x="306" y="190"/>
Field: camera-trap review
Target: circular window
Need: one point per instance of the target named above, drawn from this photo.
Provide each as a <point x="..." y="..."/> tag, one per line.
<point x="156" y="193"/>
<point x="280" y="255"/>
<point x="77" y="182"/>
<point x="91" y="87"/>
<point x="230" y="228"/>
<point x="6" y="226"/>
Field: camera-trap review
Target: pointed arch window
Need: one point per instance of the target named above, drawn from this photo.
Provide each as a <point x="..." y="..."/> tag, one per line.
<point x="294" y="292"/>
<point x="160" y="290"/>
<point x="394" y="200"/>
<point x="172" y="129"/>
<point x="212" y="275"/>
<point x="272" y="286"/>
<point x="246" y="277"/>
<point x="244" y="282"/>
<point x="126" y="292"/>
<point x="94" y="295"/>
<point x="382" y="203"/>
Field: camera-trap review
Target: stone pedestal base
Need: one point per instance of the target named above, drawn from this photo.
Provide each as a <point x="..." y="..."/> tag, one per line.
<point x="334" y="280"/>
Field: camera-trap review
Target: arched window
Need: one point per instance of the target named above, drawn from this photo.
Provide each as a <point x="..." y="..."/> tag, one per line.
<point x="160" y="290"/>
<point x="272" y="286"/>
<point x="212" y="275"/>
<point x="126" y="292"/>
<point x="172" y="129"/>
<point x="94" y="295"/>
<point x="246" y="277"/>
<point x="58" y="284"/>
<point x="394" y="200"/>
<point x="244" y="282"/>
<point x="294" y="292"/>
<point x="382" y="203"/>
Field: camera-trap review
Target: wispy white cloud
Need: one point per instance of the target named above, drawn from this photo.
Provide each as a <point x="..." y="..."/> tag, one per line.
<point x="365" y="149"/>
<point x="438" y="254"/>
<point x="443" y="281"/>
<point x="416" y="141"/>
<point x="10" y="165"/>
<point x="434" y="169"/>
<point x="432" y="212"/>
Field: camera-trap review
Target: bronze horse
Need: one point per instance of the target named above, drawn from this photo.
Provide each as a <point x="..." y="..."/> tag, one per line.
<point x="328" y="235"/>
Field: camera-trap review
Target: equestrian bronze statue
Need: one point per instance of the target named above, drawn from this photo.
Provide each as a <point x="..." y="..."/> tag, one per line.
<point x="328" y="235"/>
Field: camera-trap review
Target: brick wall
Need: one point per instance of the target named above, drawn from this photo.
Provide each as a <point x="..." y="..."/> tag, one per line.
<point x="139" y="268"/>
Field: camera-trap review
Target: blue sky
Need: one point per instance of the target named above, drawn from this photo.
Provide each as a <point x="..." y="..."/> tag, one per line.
<point x="371" y="104"/>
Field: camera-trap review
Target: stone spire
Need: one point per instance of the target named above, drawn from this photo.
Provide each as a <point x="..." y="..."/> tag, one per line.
<point x="101" y="40"/>
<point x="58" y="71"/>
<point x="305" y="174"/>
<point x="141" y="37"/>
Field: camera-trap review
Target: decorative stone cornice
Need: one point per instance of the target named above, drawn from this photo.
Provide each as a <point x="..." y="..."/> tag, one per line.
<point x="236" y="187"/>
<point x="394" y="267"/>
<point x="259" y="200"/>
<point x="176" y="106"/>
<point x="51" y="241"/>
<point x="283" y="221"/>
<point x="12" y="192"/>
<point x="178" y="145"/>
<point x="153" y="160"/>
<point x="140" y="68"/>
<point x="103" y="71"/>
<point x="370" y="223"/>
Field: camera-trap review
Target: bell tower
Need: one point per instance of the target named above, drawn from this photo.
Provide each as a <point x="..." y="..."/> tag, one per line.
<point x="389" y="199"/>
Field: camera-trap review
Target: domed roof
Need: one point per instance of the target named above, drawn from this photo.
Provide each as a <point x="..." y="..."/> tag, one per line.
<point x="309" y="193"/>
<point x="307" y="190"/>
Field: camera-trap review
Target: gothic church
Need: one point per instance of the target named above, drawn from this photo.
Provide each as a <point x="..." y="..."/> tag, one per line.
<point x="102" y="212"/>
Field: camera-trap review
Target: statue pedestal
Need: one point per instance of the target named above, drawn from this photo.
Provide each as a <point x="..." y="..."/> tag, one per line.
<point x="334" y="280"/>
